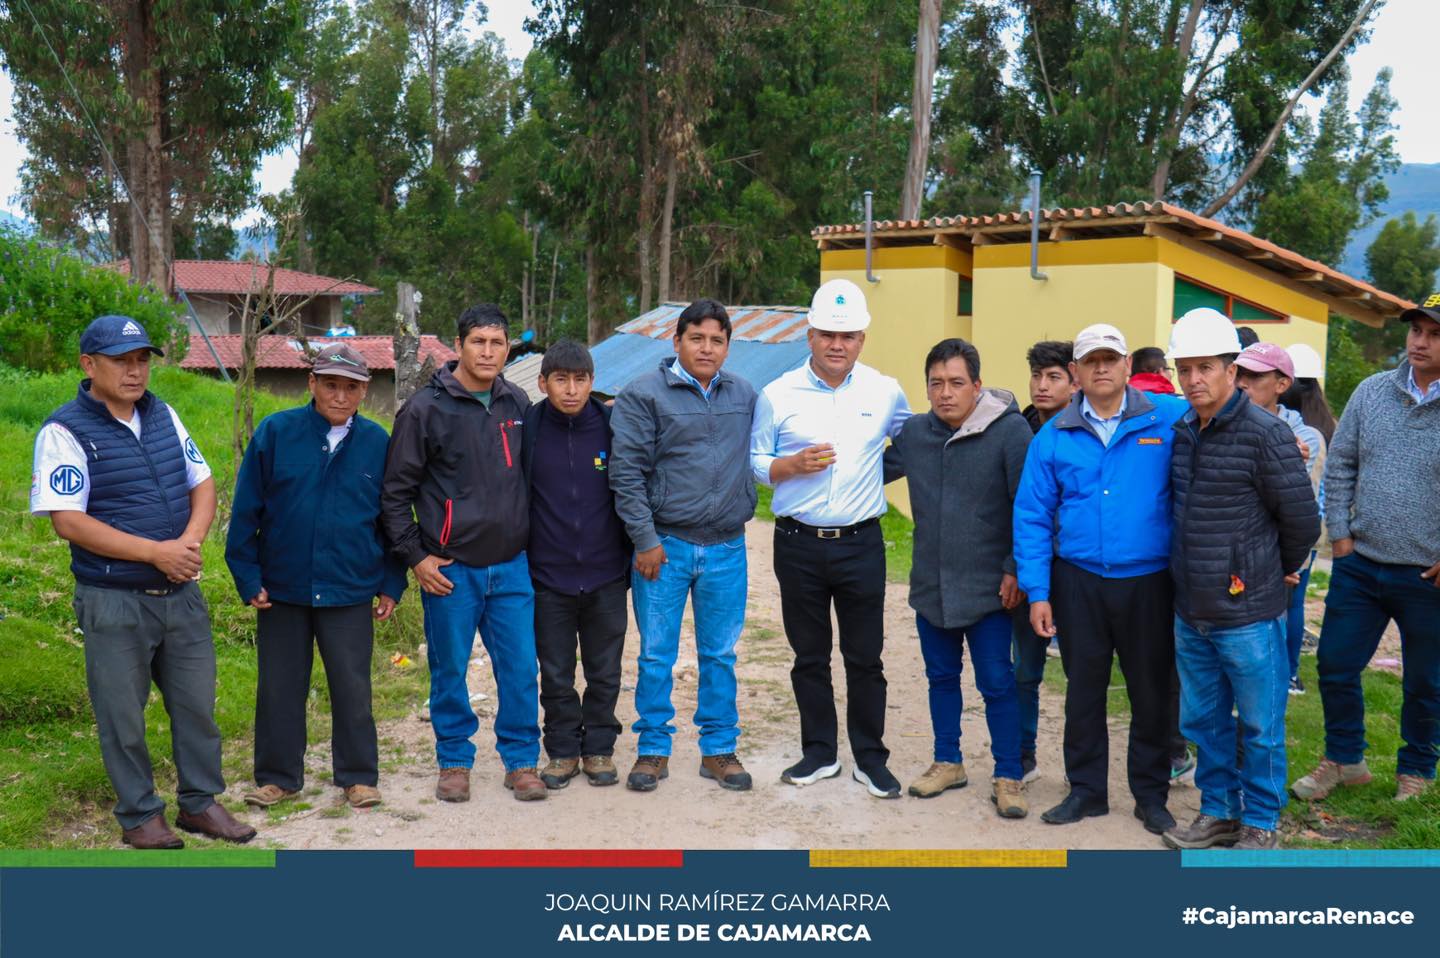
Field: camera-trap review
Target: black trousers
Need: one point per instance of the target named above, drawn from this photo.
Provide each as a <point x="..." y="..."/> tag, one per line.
<point x="850" y="572"/>
<point x="286" y="637"/>
<point x="1097" y="619"/>
<point x="596" y="620"/>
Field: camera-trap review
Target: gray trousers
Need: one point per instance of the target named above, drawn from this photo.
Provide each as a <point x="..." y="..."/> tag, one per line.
<point x="132" y="639"/>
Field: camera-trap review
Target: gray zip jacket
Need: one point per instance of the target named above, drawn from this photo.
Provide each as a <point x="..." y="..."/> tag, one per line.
<point x="679" y="463"/>
<point x="962" y="494"/>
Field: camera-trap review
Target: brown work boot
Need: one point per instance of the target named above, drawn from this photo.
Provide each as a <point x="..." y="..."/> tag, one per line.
<point x="454" y="785"/>
<point x="526" y="784"/>
<point x="1408" y="786"/>
<point x="1203" y="832"/>
<point x="267" y="795"/>
<point x="1327" y="776"/>
<point x="151" y="834"/>
<point x="727" y="770"/>
<point x="647" y="771"/>
<point x="939" y="777"/>
<point x="559" y="771"/>
<point x="1009" y="798"/>
<point x="216" y="822"/>
<point x="600" y="770"/>
<point x="362" y="796"/>
<point x="1253" y="839"/>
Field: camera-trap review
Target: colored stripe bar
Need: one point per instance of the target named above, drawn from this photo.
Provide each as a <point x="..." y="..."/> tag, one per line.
<point x="128" y="858"/>
<point x="1312" y="858"/>
<point x="958" y="858"/>
<point x="548" y="858"/>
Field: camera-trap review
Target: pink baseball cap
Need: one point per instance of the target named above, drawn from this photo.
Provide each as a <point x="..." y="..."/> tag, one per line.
<point x="1264" y="357"/>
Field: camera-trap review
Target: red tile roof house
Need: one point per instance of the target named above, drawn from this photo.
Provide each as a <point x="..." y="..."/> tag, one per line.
<point x="217" y="290"/>
<point x="281" y="366"/>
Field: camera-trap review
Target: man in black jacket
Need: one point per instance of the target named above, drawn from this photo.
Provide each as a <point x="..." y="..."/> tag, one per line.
<point x="1245" y="519"/>
<point x="455" y="465"/>
<point x="579" y="564"/>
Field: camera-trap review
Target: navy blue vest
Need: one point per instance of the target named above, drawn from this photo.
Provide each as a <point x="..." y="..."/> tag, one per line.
<point x="136" y="487"/>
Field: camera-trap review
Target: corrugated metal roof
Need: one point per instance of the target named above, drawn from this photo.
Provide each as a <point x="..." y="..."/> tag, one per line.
<point x="626" y="355"/>
<point x="525" y="373"/>
<point x="764" y="324"/>
<point x="1349" y="296"/>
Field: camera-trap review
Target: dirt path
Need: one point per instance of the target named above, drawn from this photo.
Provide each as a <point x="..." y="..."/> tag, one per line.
<point x="690" y="812"/>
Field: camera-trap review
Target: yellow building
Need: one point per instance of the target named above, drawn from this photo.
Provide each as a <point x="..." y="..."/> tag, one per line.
<point x="1135" y="266"/>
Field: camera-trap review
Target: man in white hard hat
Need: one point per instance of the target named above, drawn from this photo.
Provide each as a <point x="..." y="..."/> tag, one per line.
<point x="1385" y="530"/>
<point x="819" y="437"/>
<point x="1092" y="543"/>
<point x="1245" y="519"/>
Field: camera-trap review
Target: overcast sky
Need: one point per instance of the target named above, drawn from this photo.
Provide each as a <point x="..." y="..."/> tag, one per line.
<point x="1402" y="40"/>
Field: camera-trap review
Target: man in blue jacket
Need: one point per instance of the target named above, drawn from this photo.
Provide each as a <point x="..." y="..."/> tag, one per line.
<point x="1092" y="546"/>
<point x="306" y="550"/>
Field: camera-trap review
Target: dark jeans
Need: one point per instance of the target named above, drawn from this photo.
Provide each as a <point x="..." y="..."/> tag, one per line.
<point x="850" y="572"/>
<point x="1364" y="596"/>
<point x="596" y="622"/>
<point x="1098" y="619"/>
<point x="944" y="654"/>
<point x="1030" y="655"/>
<point x="1295" y="618"/>
<point x="285" y="638"/>
<point x="133" y="639"/>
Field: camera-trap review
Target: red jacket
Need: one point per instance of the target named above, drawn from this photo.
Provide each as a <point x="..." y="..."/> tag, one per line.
<point x="1153" y="383"/>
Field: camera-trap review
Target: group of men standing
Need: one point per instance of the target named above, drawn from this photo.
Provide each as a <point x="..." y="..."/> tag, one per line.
<point x="1126" y="523"/>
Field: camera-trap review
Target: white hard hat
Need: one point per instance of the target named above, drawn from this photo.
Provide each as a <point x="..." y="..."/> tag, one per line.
<point x="839" y="307"/>
<point x="1203" y="332"/>
<point x="1099" y="336"/>
<point x="1307" y="361"/>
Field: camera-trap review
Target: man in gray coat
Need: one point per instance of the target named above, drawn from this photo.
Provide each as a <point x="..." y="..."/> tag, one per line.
<point x="681" y="478"/>
<point x="963" y="462"/>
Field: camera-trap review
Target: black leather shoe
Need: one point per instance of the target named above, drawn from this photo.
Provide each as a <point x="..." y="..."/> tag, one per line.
<point x="1075" y="807"/>
<point x="1157" y="818"/>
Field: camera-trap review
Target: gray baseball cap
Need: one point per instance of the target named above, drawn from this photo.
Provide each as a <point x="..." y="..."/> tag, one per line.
<point x="341" y="360"/>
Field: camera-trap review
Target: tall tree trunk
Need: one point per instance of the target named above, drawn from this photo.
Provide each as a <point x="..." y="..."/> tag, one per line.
<point x="594" y="323"/>
<point x="646" y="224"/>
<point x="1179" y="113"/>
<point x="927" y="51"/>
<point x="149" y="185"/>
<point x="410" y="373"/>
<point x="525" y="275"/>
<point x="554" y="270"/>
<point x="1262" y="154"/>
<point x="667" y="218"/>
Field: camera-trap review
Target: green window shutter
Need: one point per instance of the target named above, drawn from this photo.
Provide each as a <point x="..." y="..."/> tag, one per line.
<point x="967" y="297"/>
<point x="1190" y="296"/>
<point x="1246" y="311"/>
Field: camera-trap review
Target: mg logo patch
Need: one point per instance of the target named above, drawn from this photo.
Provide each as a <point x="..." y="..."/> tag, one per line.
<point x="66" y="480"/>
<point x="600" y="458"/>
<point x="192" y="452"/>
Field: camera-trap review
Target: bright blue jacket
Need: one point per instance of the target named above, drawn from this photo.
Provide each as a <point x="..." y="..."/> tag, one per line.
<point x="1103" y="508"/>
<point x="305" y="522"/>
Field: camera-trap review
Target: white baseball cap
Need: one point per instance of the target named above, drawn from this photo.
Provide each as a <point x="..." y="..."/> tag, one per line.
<point x="1100" y="336"/>
<point x="839" y="307"/>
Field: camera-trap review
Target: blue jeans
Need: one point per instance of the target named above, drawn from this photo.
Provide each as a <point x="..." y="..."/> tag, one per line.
<point x="1244" y="667"/>
<point x="942" y="650"/>
<point x="1364" y="596"/>
<point x="715" y="578"/>
<point x="1030" y="654"/>
<point x="499" y="602"/>
<point x="1295" y="618"/>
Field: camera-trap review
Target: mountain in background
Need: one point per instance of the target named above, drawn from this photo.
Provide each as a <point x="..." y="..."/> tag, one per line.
<point x="1415" y="186"/>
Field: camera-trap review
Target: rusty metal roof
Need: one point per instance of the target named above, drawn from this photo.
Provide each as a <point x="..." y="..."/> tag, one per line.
<point x="1344" y="294"/>
<point x="761" y="324"/>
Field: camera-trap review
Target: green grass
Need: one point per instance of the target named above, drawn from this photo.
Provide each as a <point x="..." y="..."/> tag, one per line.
<point x="898" y="530"/>
<point x="52" y="783"/>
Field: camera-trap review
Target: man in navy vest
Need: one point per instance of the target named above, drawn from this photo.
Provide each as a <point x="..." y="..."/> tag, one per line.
<point x="123" y="482"/>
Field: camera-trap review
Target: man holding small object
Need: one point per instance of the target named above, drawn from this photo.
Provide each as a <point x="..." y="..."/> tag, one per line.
<point x="819" y="437"/>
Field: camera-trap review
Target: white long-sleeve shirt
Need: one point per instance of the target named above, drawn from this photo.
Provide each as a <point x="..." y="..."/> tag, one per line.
<point x="798" y="410"/>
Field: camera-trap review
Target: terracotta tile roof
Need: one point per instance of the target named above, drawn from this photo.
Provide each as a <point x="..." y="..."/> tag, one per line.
<point x="282" y="352"/>
<point x="1130" y="219"/>
<point x="761" y="324"/>
<point x="239" y="277"/>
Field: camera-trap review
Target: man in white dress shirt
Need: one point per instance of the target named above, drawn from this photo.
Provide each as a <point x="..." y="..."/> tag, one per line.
<point x="819" y="438"/>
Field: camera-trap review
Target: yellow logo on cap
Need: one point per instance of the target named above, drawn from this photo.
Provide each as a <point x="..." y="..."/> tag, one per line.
<point x="1433" y="301"/>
